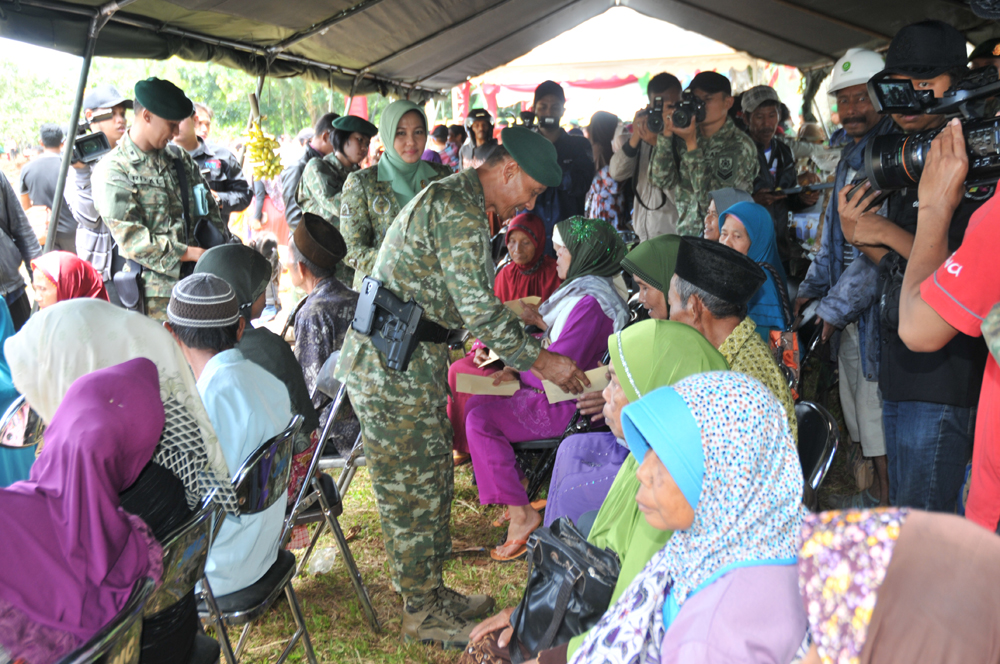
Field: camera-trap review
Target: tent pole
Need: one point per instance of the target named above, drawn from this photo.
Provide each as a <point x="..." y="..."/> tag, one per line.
<point x="98" y="21"/>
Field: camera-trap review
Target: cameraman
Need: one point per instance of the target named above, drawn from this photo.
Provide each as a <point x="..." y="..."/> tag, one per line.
<point x="762" y="112"/>
<point x="704" y="156"/>
<point x="654" y="212"/>
<point x="929" y="399"/>
<point x="104" y="108"/>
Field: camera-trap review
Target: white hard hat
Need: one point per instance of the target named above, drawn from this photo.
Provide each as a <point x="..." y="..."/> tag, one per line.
<point x="855" y="68"/>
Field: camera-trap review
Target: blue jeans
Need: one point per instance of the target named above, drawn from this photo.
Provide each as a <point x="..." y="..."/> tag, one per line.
<point x="928" y="446"/>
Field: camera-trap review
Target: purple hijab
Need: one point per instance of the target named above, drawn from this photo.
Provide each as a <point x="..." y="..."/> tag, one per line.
<point x="72" y="554"/>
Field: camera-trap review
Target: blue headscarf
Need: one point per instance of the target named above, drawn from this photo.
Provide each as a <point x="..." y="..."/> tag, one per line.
<point x="765" y="306"/>
<point x="15" y="464"/>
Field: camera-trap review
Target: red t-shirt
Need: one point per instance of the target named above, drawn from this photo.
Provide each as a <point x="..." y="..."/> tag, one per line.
<point x="963" y="291"/>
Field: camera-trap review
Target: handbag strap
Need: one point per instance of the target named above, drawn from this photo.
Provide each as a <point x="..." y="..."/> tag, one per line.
<point x="185" y="203"/>
<point x="562" y="604"/>
<point x="786" y="306"/>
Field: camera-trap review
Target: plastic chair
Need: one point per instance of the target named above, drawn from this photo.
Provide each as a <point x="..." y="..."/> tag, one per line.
<point x="819" y="437"/>
<point x="260" y="482"/>
<point x="184" y="554"/>
<point x="537" y="457"/>
<point x="118" y="641"/>
<point x="318" y="500"/>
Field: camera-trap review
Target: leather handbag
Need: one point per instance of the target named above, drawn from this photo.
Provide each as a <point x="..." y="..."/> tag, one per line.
<point x="570" y="583"/>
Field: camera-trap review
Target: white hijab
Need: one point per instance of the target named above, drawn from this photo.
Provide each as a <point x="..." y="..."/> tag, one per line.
<point x="73" y="338"/>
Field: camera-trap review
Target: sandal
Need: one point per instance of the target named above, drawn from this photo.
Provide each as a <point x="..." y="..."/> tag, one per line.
<point x="538" y="505"/>
<point x="521" y="552"/>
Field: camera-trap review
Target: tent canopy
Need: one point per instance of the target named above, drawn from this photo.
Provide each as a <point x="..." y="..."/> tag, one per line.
<point x="417" y="48"/>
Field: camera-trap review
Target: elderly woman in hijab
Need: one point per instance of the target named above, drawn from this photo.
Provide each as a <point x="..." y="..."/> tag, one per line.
<point x="719" y="469"/>
<point x="372" y="197"/>
<point x="644" y="356"/>
<point x="73" y="554"/>
<point x="748" y="228"/>
<point x="530" y="272"/>
<point x="896" y="586"/>
<point x="721" y="200"/>
<point x="577" y="318"/>
<point x="60" y="275"/>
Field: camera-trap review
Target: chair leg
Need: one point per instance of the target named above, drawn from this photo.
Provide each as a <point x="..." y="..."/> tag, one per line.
<point x="222" y="634"/>
<point x="243" y="639"/>
<point x="347" y="472"/>
<point x="354" y="573"/>
<point x="541" y="472"/>
<point x="293" y="604"/>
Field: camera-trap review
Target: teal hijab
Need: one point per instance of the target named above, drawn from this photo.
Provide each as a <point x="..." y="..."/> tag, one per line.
<point x="15" y="463"/>
<point x="406" y="179"/>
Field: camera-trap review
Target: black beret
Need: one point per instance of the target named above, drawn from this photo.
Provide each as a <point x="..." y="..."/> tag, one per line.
<point x="718" y="270"/>
<point x="319" y="241"/>
<point x="163" y="99"/>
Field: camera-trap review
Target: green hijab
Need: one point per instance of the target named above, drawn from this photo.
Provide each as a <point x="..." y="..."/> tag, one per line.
<point x="594" y="244"/>
<point x="655" y="353"/>
<point x="653" y="261"/>
<point x="247" y="271"/>
<point x="406" y="179"/>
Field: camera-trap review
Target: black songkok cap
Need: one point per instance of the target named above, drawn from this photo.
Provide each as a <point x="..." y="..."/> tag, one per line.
<point x="319" y="241"/>
<point x="718" y="270"/>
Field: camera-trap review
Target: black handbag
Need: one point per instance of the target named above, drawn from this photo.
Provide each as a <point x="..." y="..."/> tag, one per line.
<point x="570" y="583"/>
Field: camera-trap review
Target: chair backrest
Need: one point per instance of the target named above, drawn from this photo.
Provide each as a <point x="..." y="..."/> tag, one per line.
<point x="119" y="641"/>
<point x="20" y="426"/>
<point x="184" y="554"/>
<point x="819" y="436"/>
<point x="263" y="478"/>
<point x="325" y="382"/>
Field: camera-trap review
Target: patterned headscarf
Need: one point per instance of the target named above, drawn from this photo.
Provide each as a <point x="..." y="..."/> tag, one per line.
<point x="843" y="562"/>
<point x="749" y="509"/>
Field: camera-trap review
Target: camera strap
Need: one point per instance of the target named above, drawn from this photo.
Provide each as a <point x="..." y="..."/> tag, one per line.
<point x="185" y="203"/>
<point x="635" y="182"/>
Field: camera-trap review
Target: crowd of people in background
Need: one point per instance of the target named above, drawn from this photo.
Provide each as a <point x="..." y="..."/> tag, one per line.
<point x="673" y="260"/>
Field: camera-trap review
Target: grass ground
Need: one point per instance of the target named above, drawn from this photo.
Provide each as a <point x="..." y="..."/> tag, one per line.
<point x="336" y="622"/>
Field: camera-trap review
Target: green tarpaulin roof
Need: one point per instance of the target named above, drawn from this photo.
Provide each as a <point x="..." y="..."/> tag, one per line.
<point x="419" y="47"/>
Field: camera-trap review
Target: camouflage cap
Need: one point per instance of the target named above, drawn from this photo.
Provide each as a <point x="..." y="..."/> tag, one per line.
<point x="163" y="99"/>
<point x="535" y="154"/>
<point x="319" y="241"/>
<point x="757" y="95"/>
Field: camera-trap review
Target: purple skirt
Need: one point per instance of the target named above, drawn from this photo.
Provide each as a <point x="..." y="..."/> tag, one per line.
<point x="586" y="466"/>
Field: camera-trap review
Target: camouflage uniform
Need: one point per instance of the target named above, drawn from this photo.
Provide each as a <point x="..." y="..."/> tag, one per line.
<point x="367" y="208"/>
<point x="320" y="187"/>
<point x="138" y="196"/>
<point x="437" y="252"/>
<point x="727" y="159"/>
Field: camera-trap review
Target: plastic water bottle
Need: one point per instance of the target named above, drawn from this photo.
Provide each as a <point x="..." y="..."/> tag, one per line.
<point x="322" y="561"/>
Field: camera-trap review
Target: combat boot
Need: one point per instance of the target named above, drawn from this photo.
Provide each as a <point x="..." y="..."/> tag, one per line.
<point x="435" y="624"/>
<point x="468" y="607"/>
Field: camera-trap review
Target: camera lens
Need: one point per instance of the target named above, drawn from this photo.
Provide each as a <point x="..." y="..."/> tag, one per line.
<point x="894" y="161"/>
<point x="654" y="122"/>
<point x="681" y="117"/>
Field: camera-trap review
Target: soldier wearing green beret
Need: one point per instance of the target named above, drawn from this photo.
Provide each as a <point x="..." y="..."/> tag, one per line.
<point x="437" y="252"/>
<point x="137" y="190"/>
<point x="323" y="179"/>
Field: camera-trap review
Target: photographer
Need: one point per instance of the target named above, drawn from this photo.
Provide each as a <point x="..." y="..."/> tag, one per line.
<point x="929" y="399"/>
<point x="576" y="158"/>
<point x="217" y="164"/>
<point x="708" y="154"/>
<point x="104" y="109"/>
<point x="481" y="143"/>
<point x="762" y="112"/>
<point x="654" y="212"/>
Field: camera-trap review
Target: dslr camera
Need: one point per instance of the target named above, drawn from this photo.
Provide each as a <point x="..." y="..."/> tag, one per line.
<point x="895" y="161"/>
<point x="91" y="146"/>
<point x="690" y="107"/>
<point x="654" y="116"/>
<point x="533" y="122"/>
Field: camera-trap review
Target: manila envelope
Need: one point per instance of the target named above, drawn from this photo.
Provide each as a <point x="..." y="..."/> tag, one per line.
<point x="598" y="381"/>
<point x="515" y="305"/>
<point x="470" y="384"/>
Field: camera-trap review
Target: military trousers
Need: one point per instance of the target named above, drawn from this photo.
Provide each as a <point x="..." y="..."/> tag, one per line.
<point x="156" y="307"/>
<point x="408" y="453"/>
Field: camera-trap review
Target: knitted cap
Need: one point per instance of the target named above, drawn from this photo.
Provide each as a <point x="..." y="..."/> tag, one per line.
<point x="203" y="300"/>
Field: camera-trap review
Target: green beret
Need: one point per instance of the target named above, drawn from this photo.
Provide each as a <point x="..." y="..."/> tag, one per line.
<point x="353" y="123"/>
<point x="534" y="153"/>
<point x="163" y="99"/>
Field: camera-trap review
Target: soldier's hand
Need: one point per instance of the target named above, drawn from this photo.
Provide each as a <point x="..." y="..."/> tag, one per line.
<point x="561" y="370"/>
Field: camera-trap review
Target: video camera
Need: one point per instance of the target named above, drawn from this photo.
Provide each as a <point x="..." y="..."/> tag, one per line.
<point x="895" y="161"/>
<point x="91" y="146"/>
<point x="531" y="121"/>
<point x="690" y="107"/>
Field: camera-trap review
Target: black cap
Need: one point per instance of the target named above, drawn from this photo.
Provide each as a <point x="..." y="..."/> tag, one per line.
<point x="986" y="8"/>
<point x="51" y="135"/>
<point x="550" y="88"/>
<point x="105" y="96"/>
<point x="718" y="270"/>
<point x="479" y="114"/>
<point x="988" y="49"/>
<point x="925" y="50"/>
<point x="711" y="82"/>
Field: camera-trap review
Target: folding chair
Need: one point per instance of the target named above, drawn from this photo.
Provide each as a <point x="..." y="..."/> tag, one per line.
<point x="20" y="433"/>
<point x="819" y="437"/>
<point x="318" y="500"/>
<point x="329" y="386"/>
<point x="118" y="641"/>
<point x="184" y="554"/>
<point x="537" y="457"/>
<point x="260" y="482"/>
